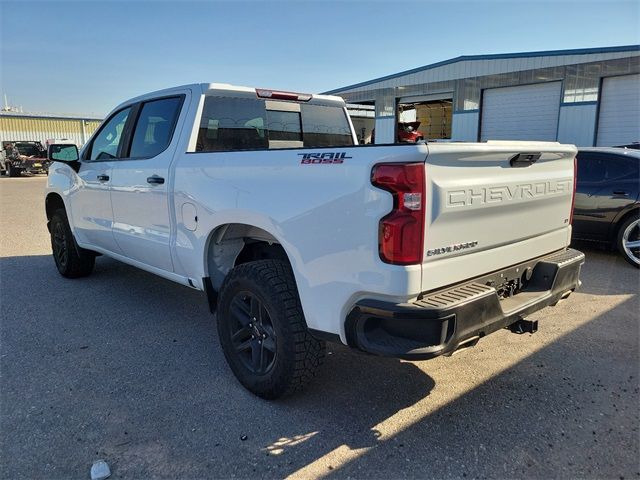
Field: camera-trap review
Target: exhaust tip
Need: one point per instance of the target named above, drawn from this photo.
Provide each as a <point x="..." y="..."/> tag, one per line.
<point x="524" y="326"/>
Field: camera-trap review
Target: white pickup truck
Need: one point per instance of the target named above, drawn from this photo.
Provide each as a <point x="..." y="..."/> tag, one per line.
<point x="263" y="200"/>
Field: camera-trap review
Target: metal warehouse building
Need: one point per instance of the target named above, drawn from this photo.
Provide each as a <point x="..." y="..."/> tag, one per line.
<point x="586" y="97"/>
<point x="16" y="126"/>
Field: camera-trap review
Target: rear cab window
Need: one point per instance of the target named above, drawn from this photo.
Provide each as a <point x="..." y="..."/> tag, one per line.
<point x="230" y="123"/>
<point x="325" y="126"/>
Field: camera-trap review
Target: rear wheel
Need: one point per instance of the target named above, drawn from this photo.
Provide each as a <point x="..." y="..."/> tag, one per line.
<point x="71" y="260"/>
<point x="628" y="241"/>
<point x="262" y="330"/>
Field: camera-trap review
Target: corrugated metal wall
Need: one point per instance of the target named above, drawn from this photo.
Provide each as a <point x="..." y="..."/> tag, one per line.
<point x="479" y="68"/>
<point x="577" y="124"/>
<point x="19" y="127"/>
<point x="581" y="86"/>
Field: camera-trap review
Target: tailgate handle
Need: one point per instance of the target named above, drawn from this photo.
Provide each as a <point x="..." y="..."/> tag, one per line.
<point x="524" y="159"/>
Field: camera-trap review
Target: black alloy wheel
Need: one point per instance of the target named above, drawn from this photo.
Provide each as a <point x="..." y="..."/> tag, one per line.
<point x="71" y="260"/>
<point x="262" y="329"/>
<point x="59" y="245"/>
<point x="252" y="333"/>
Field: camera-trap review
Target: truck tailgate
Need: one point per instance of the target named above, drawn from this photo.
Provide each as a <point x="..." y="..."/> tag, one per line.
<point x="493" y="205"/>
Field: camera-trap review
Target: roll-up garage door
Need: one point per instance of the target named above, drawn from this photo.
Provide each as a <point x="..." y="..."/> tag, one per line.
<point x="619" y="119"/>
<point x="526" y="112"/>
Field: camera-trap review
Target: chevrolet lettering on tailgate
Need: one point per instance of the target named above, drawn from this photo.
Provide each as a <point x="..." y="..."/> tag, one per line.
<point x="506" y="193"/>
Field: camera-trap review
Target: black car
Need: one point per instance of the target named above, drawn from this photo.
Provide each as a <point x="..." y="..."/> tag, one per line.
<point x="635" y="145"/>
<point x="606" y="208"/>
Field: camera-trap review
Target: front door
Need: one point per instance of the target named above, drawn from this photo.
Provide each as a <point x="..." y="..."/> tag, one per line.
<point x="91" y="213"/>
<point x="140" y="184"/>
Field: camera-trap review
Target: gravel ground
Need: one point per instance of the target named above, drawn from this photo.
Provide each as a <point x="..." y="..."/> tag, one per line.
<point x="126" y="367"/>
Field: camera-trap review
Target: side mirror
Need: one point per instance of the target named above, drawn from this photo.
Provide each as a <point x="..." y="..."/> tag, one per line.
<point x="63" y="152"/>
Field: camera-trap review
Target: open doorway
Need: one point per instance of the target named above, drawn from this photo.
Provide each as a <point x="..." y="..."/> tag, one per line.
<point x="363" y="117"/>
<point x="426" y="119"/>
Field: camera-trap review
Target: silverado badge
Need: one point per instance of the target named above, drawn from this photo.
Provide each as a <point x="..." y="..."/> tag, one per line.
<point x="451" y="248"/>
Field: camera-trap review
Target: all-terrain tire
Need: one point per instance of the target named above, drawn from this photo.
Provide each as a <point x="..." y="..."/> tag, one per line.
<point x="280" y="321"/>
<point x="71" y="260"/>
<point x="628" y="232"/>
<point x="13" y="171"/>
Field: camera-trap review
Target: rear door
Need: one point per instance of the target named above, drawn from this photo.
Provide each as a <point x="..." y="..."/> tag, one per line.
<point x="141" y="183"/>
<point x="91" y="211"/>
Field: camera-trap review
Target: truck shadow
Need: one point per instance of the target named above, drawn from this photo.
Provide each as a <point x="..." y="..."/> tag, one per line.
<point x="567" y="411"/>
<point x="126" y="366"/>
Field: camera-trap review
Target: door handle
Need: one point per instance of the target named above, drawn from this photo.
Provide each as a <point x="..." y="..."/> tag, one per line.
<point x="103" y="178"/>
<point x="620" y="192"/>
<point x="155" y="180"/>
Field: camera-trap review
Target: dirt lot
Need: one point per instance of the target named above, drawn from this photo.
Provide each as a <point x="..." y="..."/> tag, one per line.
<point x="126" y="366"/>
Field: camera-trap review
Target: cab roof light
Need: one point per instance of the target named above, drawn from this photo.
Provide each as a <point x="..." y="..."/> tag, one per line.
<point x="279" y="95"/>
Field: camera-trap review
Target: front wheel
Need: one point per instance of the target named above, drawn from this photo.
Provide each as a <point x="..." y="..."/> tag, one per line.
<point x="262" y="330"/>
<point x="71" y="260"/>
<point x="628" y="241"/>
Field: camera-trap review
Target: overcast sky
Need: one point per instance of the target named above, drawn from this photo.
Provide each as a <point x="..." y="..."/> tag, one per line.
<point x="87" y="56"/>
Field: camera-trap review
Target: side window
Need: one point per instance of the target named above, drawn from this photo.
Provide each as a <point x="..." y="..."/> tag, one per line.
<point x="232" y="124"/>
<point x="106" y="143"/>
<point x="154" y="128"/>
<point x="601" y="167"/>
<point x="591" y="168"/>
<point x="620" y="168"/>
<point x="325" y="126"/>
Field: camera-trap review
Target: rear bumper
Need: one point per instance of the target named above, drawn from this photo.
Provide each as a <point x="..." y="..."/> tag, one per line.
<point x="37" y="165"/>
<point x="441" y="322"/>
<point x="31" y="165"/>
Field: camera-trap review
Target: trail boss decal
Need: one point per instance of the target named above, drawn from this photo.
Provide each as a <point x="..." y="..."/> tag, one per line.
<point x="319" y="158"/>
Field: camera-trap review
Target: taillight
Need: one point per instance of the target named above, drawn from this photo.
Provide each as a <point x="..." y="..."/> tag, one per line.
<point x="401" y="232"/>
<point x="575" y="184"/>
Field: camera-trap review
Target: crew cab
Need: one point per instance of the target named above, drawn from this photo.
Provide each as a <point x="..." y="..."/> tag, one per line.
<point x="263" y="200"/>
